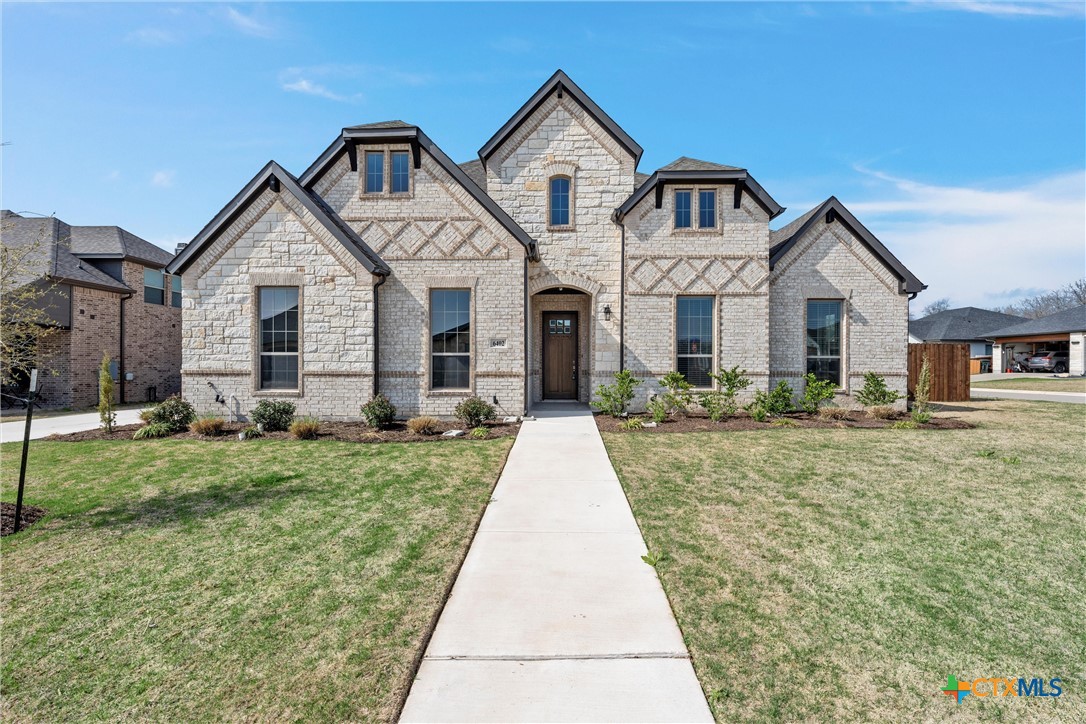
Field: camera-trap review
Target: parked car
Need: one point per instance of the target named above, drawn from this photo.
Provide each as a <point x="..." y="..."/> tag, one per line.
<point x="1049" y="361"/>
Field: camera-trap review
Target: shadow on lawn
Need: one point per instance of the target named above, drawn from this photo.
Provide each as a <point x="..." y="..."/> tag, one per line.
<point x="173" y="506"/>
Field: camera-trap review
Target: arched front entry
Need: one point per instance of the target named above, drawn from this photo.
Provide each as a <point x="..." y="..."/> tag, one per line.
<point x="560" y="344"/>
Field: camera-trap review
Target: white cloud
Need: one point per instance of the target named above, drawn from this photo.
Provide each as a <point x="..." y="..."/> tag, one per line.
<point x="249" y="24"/>
<point x="163" y="179"/>
<point x="1039" y="8"/>
<point x="982" y="246"/>
<point x="308" y="87"/>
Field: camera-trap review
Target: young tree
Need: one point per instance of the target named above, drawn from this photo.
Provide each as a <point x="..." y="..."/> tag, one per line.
<point x="1041" y="305"/>
<point x="25" y="263"/>
<point x="939" y="305"/>
<point x="105" y="396"/>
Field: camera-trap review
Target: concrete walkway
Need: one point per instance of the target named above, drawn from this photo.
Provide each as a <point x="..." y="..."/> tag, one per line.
<point x="60" y="424"/>
<point x="980" y="393"/>
<point x="554" y="616"/>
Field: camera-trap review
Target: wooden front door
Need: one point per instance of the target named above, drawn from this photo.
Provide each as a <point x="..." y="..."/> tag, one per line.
<point x="559" y="355"/>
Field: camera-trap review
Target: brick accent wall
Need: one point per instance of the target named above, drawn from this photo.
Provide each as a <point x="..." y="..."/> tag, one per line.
<point x="55" y="369"/>
<point x="152" y="341"/>
<point x="830" y="263"/>
<point x="96" y="330"/>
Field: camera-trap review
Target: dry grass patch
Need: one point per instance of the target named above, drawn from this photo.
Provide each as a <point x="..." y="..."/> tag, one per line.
<point x="181" y="580"/>
<point x="830" y="574"/>
<point x="1043" y="384"/>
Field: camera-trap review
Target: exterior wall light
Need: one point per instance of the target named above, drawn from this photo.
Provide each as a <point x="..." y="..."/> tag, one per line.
<point x="607" y="312"/>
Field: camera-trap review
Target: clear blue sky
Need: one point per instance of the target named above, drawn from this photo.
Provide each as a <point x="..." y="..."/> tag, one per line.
<point x="957" y="133"/>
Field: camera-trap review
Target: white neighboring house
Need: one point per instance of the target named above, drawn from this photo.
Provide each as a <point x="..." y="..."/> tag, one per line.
<point x="533" y="273"/>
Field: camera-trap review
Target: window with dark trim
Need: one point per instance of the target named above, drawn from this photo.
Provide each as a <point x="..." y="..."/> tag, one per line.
<point x="694" y="339"/>
<point x="707" y="209"/>
<point x="278" y="338"/>
<point x="682" y="209"/>
<point x="559" y="201"/>
<point x="450" y="339"/>
<point x="154" y="286"/>
<point x="375" y="172"/>
<point x="175" y="291"/>
<point x="824" y="339"/>
<point x="401" y="172"/>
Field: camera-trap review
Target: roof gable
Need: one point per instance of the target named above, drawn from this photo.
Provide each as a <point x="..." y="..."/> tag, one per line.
<point x="561" y="84"/>
<point x="398" y="131"/>
<point x="278" y="179"/>
<point x="52" y="255"/>
<point x="833" y="210"/>
<point x="685" y="170"/>
<point x="113" y="242"/>
<point x="964" y="323"/>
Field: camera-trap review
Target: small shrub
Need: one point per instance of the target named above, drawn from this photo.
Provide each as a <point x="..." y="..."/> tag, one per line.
<point x="677" y="395"/>
<point x="305" y="428"/>
<point x="634" y="423"/>
<point x="815" y="392"/>
<point x="882" y="412"/>
<point x="479" y="433"/>
<point x="833" y="413"/>
<point x="922" y="393"/>
<point x="775" y="403"/>
<point x="273" y="415"/>
<point x="146" y="413"/>
<point x="424" y="425"/>
<point x="105" y="396"/>
<point x="251" y="432"/>
<point x="875" y="393"/>
<point x="720" y="403"/>
<point x="151" y="430"/>
<point x="613" y="399"/>
<point x="921" y="417"/>
<point x="474" y="411"/>
<point x="758" y="412"/>
<point x="379" y="412"/>
<point x="173" y="412"/>
<point x="209" y="426"/>
<point x="657" y="409"/>
<point x="903" y="425"/>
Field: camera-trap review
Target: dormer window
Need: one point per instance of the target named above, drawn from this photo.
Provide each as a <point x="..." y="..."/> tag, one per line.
<point x="683" y="208"/>
<point x="707" y="209"/>
<point x="375" y="172"/>
<point x="401" y="172"/>
<point x="695" y="205"/>
<point x="559" y="202"/>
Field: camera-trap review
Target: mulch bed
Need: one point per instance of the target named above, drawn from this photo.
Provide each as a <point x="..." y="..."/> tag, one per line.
<point x="338" y="431"/>
<point x="743" y="421"/>
<point x="31" y="515"/>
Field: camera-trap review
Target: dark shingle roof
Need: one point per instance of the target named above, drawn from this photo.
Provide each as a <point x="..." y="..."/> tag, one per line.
<point x="787" y="231"/>
<point x="685" y="163"/>
<point x="960" y="325"/>
<point x="1069" y="320"/>
<point x="51" y="256"/>
<point x="640" y="178"/>
<point x="380" y="124"/>
<point x="114" y="242"/>
<point x="475" y="171"/>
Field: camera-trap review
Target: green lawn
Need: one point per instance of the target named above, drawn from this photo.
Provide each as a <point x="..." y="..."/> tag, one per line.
<point x="1048" y="384"/>
<point x="180" y="580"/>
<point x="825" y="575"/>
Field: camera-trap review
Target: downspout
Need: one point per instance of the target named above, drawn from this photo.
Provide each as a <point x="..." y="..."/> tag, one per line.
<point x="120" y="360"/>
<point x="376" y="335"/>
<point x="527" y="357"/>
<point x="622" y="301"/>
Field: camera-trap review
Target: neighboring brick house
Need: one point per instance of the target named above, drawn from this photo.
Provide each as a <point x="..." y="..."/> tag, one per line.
<point x="109" y="294"/>
<point x="533" y="273"/>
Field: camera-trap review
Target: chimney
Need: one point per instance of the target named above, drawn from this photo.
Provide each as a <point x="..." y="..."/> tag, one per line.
<point x="180" y="248"/>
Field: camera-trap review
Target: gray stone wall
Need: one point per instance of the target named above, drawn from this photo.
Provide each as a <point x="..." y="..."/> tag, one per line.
<point x="830" y="263"/>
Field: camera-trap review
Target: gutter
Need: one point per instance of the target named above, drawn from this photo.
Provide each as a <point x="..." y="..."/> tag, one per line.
<point x="377" y="336"/>
<point x="527" y="357"/>
<point x="622" y="301"/>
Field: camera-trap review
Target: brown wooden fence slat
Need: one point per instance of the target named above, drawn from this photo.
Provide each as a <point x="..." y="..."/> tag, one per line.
<point x="949" y="370"/>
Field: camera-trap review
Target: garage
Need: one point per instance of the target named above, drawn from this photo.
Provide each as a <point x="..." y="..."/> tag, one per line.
<point x="1056" y="343"/>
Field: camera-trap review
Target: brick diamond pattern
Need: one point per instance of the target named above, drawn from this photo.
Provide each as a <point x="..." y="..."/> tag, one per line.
<point x="675" y="275"/>
<point x="453" y="238"/>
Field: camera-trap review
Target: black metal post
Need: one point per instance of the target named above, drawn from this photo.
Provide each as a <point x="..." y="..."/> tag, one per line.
<point x="26" y="448"/>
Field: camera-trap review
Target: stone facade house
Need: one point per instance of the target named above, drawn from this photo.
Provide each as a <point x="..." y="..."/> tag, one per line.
<point x="107" y="293"/>
<point x="533" y="273"/>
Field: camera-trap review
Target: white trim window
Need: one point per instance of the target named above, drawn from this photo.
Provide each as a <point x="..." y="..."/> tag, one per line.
<point x="279" y="336"/>
<point x="824" y="339"/>
<point x="694" y="339"/>
<point x="154" y="286"/>
<point x="450" y="339"/>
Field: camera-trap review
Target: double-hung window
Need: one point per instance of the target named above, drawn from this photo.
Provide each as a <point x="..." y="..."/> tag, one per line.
<point x="401" y="172"/>
<point x="707" y="209"/>
<point x="694" y="339"/>
<point x="450" y="339"/>
<point x="375" y="172"/>
<point x="154" y="286"/>
<point x="559" y="201"/>
<point x="683" y="209"/>
<point x="175" y="291"/>
<point x="278" y="338"/>
<point x="824" y="339"/>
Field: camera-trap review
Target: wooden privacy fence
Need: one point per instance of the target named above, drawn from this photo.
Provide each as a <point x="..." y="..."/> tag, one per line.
<point x="949" y="370"/>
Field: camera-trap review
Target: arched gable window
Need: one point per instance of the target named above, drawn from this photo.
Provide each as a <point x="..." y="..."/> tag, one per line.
<point x="559" y="201"/>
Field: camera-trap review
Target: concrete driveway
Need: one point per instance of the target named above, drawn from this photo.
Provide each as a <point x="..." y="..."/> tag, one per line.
<point x="554" y="616"/>
<point x="60" y="424"/>
<point x="980" y="393"/>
